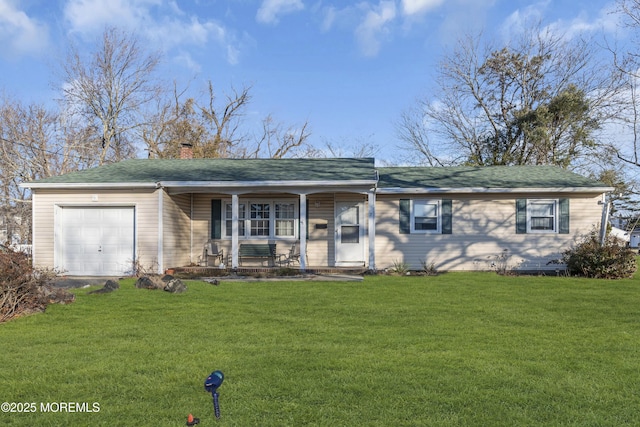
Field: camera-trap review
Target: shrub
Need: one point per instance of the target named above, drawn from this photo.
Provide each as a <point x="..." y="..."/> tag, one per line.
<point x="429" y="269"/>
<point x="400" y="267"/>
<point x="24" y="289"/>
<point x="610" y="260"/>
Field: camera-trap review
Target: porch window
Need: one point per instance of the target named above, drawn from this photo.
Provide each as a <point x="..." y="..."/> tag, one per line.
<point x="242" y="215"/>
<point x="260" y="215"/>
<point x="262" y="219"/>
<point x="285" y="219"/>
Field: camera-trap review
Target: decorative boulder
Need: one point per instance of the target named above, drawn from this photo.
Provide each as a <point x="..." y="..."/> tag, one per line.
<point x="146" y="282"/>
<point x="109" y="286"/>
<point x="175" y="286"/>
<point x="51" y="295"/>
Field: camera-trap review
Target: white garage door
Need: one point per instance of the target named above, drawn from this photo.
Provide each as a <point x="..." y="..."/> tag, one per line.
<point x="96" y="241"/>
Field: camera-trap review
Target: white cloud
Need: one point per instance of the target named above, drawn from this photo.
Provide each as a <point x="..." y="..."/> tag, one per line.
<point x="90" y="16"/>
<point x="417" y="7"/>
<point x="186" y="60"/>
<point x="270" y="10"/>
<point x="607" y="20"/>
<point x="375" y="26"/>
<point x="162" y="23"/>
<point x="19" y="33"/>
<point x="329" y="18"/>
<point x="522" y="19"/>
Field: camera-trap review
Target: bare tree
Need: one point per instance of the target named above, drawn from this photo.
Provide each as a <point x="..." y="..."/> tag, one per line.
<point x="537" y="100"/>
<point x="174" y="122"/>
<point x="110" y="90"/>
<point x="277" y="140"/>
<point x="30" y="148"/>
<point x="627" y="64"/>
<point x="224" y="121"/>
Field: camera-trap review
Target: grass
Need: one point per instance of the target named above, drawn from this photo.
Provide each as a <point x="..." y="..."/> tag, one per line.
<point x="457" y="349"/>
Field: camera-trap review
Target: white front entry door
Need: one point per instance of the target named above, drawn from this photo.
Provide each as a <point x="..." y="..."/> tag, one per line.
<point x="350" y="234"/>
<point x="96" y="241"/>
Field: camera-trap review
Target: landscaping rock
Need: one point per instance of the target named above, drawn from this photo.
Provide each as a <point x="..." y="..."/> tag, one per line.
<point x="166" y="282"/>
<point x="145" y="282"/>
<point x="109" y="286"/>
<point x="175" y="286"/>
<point x="52" y="295"/>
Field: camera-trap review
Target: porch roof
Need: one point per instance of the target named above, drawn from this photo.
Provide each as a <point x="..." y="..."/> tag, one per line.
<point x="218" y="172"/>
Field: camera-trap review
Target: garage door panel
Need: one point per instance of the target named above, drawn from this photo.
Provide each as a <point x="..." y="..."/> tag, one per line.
<point x="97" y="240"/>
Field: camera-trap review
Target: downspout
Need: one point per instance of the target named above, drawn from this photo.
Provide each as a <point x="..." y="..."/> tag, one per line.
<point x="372" y="229"/>
<point x="160" y="229"/>
<point x="235" y="213"/>
<point x="303" y="232"/>
<point x="191" y="229"/>
<point x="606" y="207"/>
<point x="372" y="196"/>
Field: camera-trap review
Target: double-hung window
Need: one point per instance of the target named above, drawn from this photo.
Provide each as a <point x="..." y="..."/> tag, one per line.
<point x="542" y="216"/>
<point x="285" y="219"/>
<point x="242" y="215"/>
<point x="425" y="216"/>
<point x="260" y="219"/>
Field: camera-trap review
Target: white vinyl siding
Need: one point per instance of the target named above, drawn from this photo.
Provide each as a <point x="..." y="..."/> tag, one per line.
<point x="484" y="228"/>
<point x="45" y="203"/>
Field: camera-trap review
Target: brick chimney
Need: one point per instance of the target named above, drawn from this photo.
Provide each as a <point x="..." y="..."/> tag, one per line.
<point x="186" y="151"/>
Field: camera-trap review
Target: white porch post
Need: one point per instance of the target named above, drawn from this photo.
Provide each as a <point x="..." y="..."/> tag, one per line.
<point x="372" y="230"/>
<point x="235" y="208"/>
<point x="160" y="231"/>
<point x="303" y="232"/>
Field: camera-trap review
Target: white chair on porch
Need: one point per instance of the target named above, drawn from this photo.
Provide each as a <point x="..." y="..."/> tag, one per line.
<point x="211" y="250"/>
<point x="292" y="256"/>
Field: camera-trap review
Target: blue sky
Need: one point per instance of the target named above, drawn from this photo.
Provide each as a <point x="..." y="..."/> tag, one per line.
<point x="349" y="68"/>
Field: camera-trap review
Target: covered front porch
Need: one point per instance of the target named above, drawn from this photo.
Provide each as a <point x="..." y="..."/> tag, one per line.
<point x="278" y="228"/>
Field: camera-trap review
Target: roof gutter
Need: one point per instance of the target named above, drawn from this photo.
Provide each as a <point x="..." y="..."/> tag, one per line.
<point x="97" y="185"/>
<point x="422" y="190"/>
<point x="254" y="184"/>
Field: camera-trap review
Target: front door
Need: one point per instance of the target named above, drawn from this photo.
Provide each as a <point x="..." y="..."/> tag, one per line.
<point x="349" y="233"/>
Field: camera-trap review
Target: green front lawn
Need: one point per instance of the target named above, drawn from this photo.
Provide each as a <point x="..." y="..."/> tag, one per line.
<point x="453" y="350"/>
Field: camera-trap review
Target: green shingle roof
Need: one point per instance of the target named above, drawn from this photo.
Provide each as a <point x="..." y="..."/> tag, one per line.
<point x="146" y="171"/>
<point x="483" y="177"/>
<point x="221" y="170"/>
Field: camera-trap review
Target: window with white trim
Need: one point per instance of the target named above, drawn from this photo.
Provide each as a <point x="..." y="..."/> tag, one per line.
<point x="242" y="215"/>
<point x="542" y="216"/>
<point x="260" y="219"/>
<point x="263" y="219"/>
<point x="285" y="219"/>
<point x="425" y="216"/>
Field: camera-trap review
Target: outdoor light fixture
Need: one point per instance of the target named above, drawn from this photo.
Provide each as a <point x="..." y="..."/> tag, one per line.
<point x="211" y="385"/>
